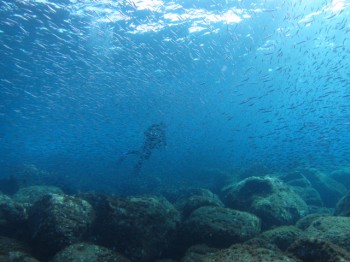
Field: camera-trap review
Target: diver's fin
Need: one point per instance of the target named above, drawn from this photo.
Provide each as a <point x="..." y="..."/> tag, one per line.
<point x="125" y="154"/>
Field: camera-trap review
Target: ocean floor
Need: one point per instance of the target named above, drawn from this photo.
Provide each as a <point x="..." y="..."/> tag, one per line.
<point x="302" y="215"/>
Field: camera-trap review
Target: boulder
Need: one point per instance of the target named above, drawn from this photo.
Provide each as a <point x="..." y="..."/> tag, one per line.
<point x="238" y="253"/>
<point x="12" y="250"/>
<point x="9" y="244"/>
<point x="197" y="253"/>
<point x="88" y="253"/>
<point x="15" y="256"/>
<point x="190" y="200"/>
<point x="332" y="229"/>
<point x="343" y="207"/>
<point x="302" y="186"/>
<point x="56" y="221"/>
<point x="141" y="228"/>
<point x="329" y="189"/>
<point x="304" y="222"/>
<point x="342" y="176"/>
<point x="29" y="195"/>
<point x="309" y="195"/>
<point x="241" y="195"/>
<point x="165" y="260"/>
<point x="282" y="237"/>
<point x="268" y="198"/>
<point x="13" y="216"/>
<point x="318" y="250"/>
<point x="219" y="227"/>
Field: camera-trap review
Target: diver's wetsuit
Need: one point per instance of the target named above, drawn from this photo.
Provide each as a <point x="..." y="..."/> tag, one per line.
<point x="154" y="138"/>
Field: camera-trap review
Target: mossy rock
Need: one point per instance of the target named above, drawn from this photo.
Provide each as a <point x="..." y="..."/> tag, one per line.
<point x="219" y="227"/>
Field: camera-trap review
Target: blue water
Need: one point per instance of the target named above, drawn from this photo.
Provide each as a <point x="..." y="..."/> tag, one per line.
<point x="236" y="83"/>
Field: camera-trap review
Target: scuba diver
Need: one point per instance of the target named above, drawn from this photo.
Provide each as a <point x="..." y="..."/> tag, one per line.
<point x="154" y="138"/>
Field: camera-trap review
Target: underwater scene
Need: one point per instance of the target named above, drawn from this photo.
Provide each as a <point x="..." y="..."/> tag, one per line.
<point x="174" y="130"/>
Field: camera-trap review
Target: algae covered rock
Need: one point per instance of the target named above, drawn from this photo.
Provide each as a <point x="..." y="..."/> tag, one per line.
<point x="304" y="222"/>
<point x="309" y="195"/>
<point x="332" y="229"/>
<point x="282" y="237"/>
<point x="165" y="260"/>
<point x="88" y="253"/>
<point x="303" y="187"/>
<point x="268" y="198"/>
<point x="12" y="250"/>
<point x="139" y="227"/>
<point x="198" y="253"/>
<point x="9" y="244"/>
<point x="13" y="216"/>
<point x="329" y="189"/>
<point x="343" y="207"/>
<point x="239" y="253"/>
<point x="219" y="226"/>
<point x="280" y="208"/>
<point x="29" y="195"/>
<point x="17" y="256"/>
<point x="342" y="176"/>
<point x="316" y="250"/>
<point x="56" y="221"/>
<point x="242" y="194"/>
<point x="190" y="200"/>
